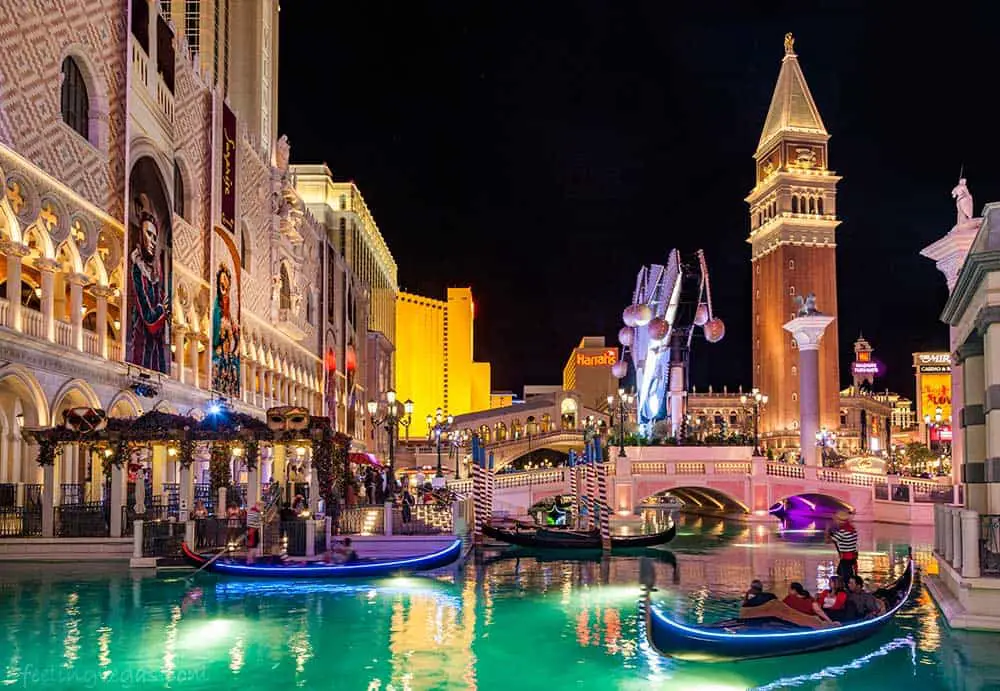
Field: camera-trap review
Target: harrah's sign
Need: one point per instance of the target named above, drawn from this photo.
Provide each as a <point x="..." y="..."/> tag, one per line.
<point x="604" y="359"/>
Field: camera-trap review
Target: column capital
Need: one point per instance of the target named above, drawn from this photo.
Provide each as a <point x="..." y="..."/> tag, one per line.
<point x="47" y="265"/>
<point x="971" y="348"/>
<point x="178" y="329"/>
<point x="14" y="249"/>
<point x="78" y="279"/>
<point x="100" y="291"/>
<point x="808" y="330"/>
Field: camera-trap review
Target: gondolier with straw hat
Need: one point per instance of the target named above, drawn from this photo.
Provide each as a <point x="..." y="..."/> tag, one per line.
<point x="844" y="536"/>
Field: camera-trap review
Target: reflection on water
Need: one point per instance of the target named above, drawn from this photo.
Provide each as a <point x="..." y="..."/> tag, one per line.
<point x="512" y="620"/>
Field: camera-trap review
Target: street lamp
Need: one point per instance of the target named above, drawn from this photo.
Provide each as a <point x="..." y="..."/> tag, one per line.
<point x="458" y="440"/>
<point x="754" y="402"/>
<point x="826" y="440"/>
<point x="437" y="424"/>
<point x="620" y="405"/>
<point x="391" y="417"/>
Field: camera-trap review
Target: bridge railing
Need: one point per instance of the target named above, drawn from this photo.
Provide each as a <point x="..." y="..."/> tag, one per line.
<point x="531" y="477"/>
<point x="691" y="468"/>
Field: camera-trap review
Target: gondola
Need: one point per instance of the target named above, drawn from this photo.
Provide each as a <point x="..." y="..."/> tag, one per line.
<point x="271" y="567"/>
<point x="742" y="639"/>
<point x="542" y="538"/>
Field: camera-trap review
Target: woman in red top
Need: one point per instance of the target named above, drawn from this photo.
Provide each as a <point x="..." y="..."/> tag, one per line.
<point x="834" y="599"/>
<point x="798" y="598"/>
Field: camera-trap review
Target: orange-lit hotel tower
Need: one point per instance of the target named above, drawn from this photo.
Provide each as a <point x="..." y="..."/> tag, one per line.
<point x="793" y="223"/>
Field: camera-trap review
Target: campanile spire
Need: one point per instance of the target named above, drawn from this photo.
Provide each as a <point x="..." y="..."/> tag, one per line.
<point x="793" y="222"/>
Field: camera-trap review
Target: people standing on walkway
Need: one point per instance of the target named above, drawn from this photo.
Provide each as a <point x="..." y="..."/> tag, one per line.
<point x="844" y="536"/>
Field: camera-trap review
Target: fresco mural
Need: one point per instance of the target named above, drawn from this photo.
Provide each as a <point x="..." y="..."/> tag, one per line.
<point x="150" y="248"/>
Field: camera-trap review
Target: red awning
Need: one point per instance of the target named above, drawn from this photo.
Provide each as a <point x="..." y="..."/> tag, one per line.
<point x="362" y="458"/>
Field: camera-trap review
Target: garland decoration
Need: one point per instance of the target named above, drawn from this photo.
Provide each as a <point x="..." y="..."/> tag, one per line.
<point x="218" y="468"/>
<point x="187" y="448"/>
<point x="251" y="451"/>
<point x="47" y="452"/>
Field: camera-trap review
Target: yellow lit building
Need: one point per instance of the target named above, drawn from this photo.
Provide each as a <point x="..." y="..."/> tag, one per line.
<point x="434" y="354"/>
<point x="588" y="371"/>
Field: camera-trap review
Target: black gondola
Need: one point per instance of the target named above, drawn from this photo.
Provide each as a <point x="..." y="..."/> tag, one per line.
<point x="742" y="639"/>
<point x="542" y="538"/>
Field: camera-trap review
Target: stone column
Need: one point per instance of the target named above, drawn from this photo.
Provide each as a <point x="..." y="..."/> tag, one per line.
<point x="947" y="537"/>
<point x="16" y="252"/>
<point x="253" y="484"/>
<point x="970" y="543"/>
<point x="193" y="350"/>
<point x="991" y="409"/>
<point x="178" y="334"/>
<point x="101" y="294"/>
<point x="76" y="284"/>
<point x="313" y="486"/>
<point x="972" y="419"/>
<point x="48" y="500"/>
<point x="958" y="548"/>
<point x="117" y="499"/>
<point x="186" y="493"/>
<point x="47" y="268"/>
<point x="808" y="331"/>
<point x="159" y="471"/>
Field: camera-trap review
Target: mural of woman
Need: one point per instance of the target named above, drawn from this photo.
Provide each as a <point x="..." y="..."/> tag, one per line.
<point x="149" y="289"/>
<point x="225" y="336"/>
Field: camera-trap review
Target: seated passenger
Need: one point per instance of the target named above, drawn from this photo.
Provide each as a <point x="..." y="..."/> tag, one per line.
<point x="756" y="596"/>
<point x="800" y="600"/>
<point x="761" y="605"/>
<point x="345" y="553"/>
<point x="863" y="604"/>
<point x="833" y="600"/>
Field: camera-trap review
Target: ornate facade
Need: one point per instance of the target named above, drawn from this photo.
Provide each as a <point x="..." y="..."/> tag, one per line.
<point x="160" y="254"/>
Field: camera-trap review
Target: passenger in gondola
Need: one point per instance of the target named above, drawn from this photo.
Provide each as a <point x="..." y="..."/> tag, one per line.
<point x="761" y="605"/>
<point x="756" y="595"/>
<point x="861" y="603"/>
<point x="800" y="600"/>
<point x="344" y="553"/>
<point x="833" y="600"/>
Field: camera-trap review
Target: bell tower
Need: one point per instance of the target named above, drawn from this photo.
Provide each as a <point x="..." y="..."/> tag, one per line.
<point x="793" y="223"/>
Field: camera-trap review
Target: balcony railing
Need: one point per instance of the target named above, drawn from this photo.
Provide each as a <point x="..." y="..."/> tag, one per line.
<point x="90" y="343"/>
<point x="140" y="63"/>
<point x="164" y="99"/>
<point x="33" y="322"/>
<point x="64" y="333"/>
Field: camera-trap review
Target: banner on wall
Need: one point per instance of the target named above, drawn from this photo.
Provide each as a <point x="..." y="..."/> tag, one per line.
<point x="148" y="292"/>
<point x="228" y="153"/>
<point x="227" y="294"/>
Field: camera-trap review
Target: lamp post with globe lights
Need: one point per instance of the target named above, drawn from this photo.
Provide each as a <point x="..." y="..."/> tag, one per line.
<point x="437" y="425"/>
<point x="391" y="417"/>
<point x="620" y="405"/>
<point x="754" y="402"/>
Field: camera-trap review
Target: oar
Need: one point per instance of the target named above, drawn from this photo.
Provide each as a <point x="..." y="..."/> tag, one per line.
<point x="212" y="560"/>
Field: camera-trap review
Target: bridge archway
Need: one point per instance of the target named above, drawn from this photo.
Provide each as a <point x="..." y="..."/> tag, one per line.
<point x="811" y="505"/>
<point x="697" y="499"/>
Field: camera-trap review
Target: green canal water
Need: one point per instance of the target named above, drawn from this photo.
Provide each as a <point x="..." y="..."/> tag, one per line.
<point x="506" y="623"/>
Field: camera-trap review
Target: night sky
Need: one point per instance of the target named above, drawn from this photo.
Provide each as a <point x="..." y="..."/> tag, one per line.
<point x="542" y="152"/>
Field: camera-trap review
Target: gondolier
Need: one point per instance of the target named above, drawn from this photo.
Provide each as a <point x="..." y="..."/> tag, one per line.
<point x="844" y="536"/>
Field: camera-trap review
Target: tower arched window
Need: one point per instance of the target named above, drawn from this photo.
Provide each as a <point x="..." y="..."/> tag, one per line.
<point x="795" y="397"/>
<point x="795" y="371"/>
<point x="812" y="205"/>
<point x="819" y="206"/>
<point x="791" y="290"/>
<point x="285" y="296"/>
<point x="75" y="102"/>
<point x="791" y="265"/>
<point x="795" y="204"/>
<point x="309" y="307"/>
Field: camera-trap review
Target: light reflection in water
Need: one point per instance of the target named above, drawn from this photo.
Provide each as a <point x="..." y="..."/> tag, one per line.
<point x="104" y="651"/>
<point x="71" y="642"/>
<point x="237" y="654"/>
<point x="170" y="644"/>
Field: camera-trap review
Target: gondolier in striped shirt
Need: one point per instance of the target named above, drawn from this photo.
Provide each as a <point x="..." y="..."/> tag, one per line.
<point x="845" y="537"/>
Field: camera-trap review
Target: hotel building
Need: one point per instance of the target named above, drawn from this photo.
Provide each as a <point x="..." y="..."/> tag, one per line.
<point x="159" y="254"/>
<point x="435" y="365"/>
<point x="588" y="372"/>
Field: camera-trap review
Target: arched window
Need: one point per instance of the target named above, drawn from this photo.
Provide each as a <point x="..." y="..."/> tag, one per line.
<point x="343" y="202"/>
<point x="819" y="206"/>
<point x="75" y="102"/>
<point x="791" y="290"/>
<point x="309" y="307"/>
<point x="791" y="265"/>
<point x="285" y="297"/>
<point x="812" y="205"/>
<point x="179" y="206"/>
<point x="795" y="371"/>
<point x="795" y="396"/>
<point x="795" y="204"/>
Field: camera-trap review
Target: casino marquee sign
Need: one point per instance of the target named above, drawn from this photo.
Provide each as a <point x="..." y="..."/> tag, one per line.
<point x="605" y="358"/>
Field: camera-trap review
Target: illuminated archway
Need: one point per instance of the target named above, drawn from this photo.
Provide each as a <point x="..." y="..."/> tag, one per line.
<point x="697" y="499"/>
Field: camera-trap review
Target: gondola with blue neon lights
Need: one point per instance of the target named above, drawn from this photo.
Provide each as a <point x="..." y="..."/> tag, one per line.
<point x="743" y="639"/>
<point x="363" y="568"/>
<point x="536" y="537"/>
